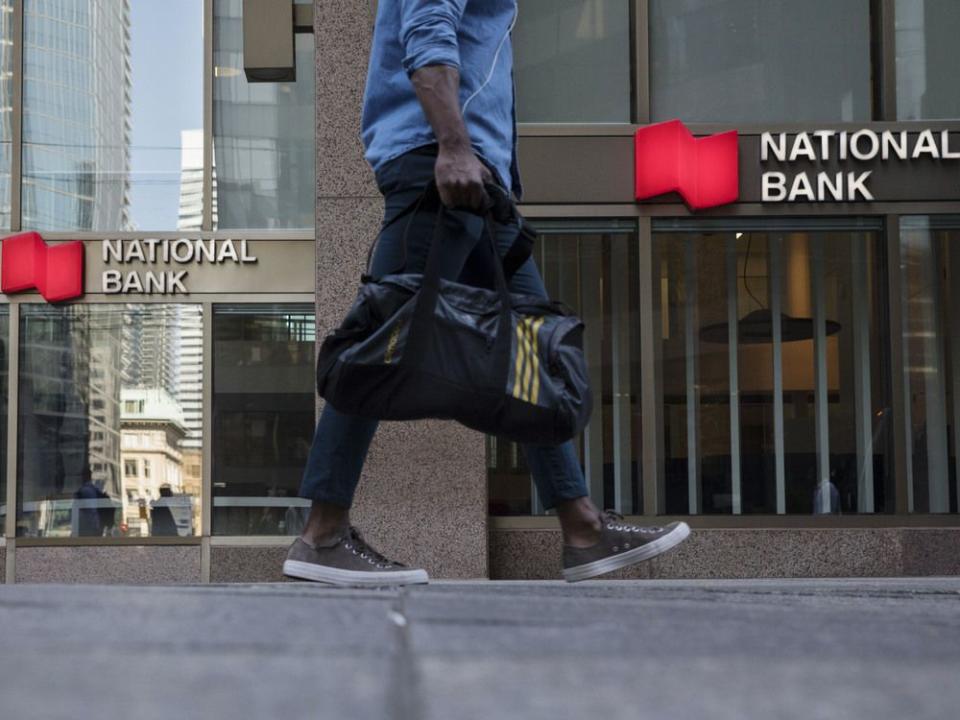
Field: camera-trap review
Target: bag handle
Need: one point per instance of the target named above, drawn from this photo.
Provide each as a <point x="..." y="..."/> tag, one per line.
<point x="501" y="348"/>
<point x="503" y="209"/>
<point x="431" y="274"/>
<point x="426" y="302"/>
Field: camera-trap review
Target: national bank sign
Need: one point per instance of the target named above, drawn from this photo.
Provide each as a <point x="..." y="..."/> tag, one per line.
<point x="804" y="167"/>
<point x="178" y="252"/>
<point x="142" y="266"/>
<point x="823" y="146"/>
<point x="28" y="263"/>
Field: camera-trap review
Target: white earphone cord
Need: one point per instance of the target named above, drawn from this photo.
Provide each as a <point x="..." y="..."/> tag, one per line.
<point x="493" y="66"/>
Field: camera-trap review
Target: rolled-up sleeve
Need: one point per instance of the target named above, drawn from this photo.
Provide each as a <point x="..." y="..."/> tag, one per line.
<point x="428" y="33"/>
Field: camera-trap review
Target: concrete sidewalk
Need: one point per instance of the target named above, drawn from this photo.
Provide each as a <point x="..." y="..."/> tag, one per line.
<point x="834" y="649"/>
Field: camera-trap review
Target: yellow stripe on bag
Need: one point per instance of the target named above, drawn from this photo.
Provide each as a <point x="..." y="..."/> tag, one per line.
<point x="526" y="371"/>
<point x="535" y="391"/>
<point x="528" y="359"/>
<point x="518" y="367"/>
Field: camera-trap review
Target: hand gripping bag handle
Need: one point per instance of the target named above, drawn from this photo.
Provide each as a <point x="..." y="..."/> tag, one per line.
<point x="503" y="209"/>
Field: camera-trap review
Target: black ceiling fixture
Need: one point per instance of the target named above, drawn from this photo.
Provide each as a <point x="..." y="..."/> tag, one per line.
<point x="756" y="327"/>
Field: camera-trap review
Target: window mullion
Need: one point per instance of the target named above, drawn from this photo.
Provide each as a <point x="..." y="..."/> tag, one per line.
<point x="886" y="64"/>
<point x="206" y="483"/>
<point x="13" y="414"/>
<point x="899" y="407"/>
<point x="16" y="147"/>
<point x="640" y="46"/>
<point x="207" y="217"/>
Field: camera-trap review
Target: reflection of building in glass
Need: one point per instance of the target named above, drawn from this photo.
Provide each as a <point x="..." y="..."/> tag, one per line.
<point x="69" y="441"/>
<point x="152" y="429"/>
<point x="6" y="107"/>
<point x="105" y="384"/>
<point x="561" y="46"/>
<point x="78" y="363"/>
<point x="192" y="477"/>
<point x="76" y="128"/>
<point x="163" y="349"/>
<point x="150" y="347"/>
<point x="189" y="392"/>
<point x="263" y="134"/>
<point x="263" y="416"/>
<point x="191" y="182"/>
<point x="926" y="78"/>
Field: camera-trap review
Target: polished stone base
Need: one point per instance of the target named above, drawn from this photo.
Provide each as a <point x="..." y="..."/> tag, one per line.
<point x="535" y="555"/>
<point x="247" y="563"/>
<point x="749" y="553"/>
<point x="107" y="565"/>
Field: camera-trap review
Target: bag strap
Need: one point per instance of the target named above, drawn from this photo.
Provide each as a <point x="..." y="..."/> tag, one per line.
<point x="521" y="249"/>
<point x="502" y="344"/>
<point x="502" y="208"/>
<point x="504" y="211"/>
<point x="413" y="207"/>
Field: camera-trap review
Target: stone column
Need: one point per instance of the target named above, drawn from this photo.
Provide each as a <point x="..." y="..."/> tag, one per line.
<point x="423" y="494"/>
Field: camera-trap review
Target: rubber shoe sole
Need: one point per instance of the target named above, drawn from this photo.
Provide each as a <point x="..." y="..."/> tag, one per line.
<point x="630" y="557"/>
<point x="352" y="578"/>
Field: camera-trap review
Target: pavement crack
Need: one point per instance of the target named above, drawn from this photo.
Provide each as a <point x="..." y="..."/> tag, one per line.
<point x="405" y="700"/>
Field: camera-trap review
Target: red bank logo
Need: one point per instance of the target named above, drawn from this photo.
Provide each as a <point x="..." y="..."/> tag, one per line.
<point x="669" y="159"/>
<point x="56" y="271"/>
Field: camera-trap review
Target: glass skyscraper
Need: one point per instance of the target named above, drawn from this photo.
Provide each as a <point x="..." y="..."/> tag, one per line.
<point x="76" y="115"/>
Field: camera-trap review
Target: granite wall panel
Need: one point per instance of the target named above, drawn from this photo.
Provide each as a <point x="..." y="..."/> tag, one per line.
<point x="109" y="565"/>
<point x="342" y="31"/>
<point x="931" y="551"/>
<point x="422" y="497"/>
<point x="247" y="563"/>
<point x="753" y="553"/>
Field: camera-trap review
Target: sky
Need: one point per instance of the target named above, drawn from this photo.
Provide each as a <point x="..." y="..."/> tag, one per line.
<point x="167" y="68"/>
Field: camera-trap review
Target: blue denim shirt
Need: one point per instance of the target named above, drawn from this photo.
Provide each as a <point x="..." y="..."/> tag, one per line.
<point x="470" y="35"/>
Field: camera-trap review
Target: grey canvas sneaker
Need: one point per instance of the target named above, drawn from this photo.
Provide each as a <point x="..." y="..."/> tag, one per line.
<point x="349" y="561"/>
<point x="620" y="545"/>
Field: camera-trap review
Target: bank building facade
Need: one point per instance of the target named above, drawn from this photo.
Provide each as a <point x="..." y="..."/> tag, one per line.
<point x="755" y="207"/>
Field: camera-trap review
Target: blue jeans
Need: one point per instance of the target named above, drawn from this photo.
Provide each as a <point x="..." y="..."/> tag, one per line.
<point x="341" y="441"/>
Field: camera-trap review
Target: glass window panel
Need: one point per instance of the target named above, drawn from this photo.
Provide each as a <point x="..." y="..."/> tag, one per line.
<point x="927" y="59"/>
<point x="113" y="115"/>
<point x="809" y="392"/>
<point x="4" y="355"/>
<point x="561" y="49"/>
<point x="263" y="417"/>
<point x="750" y="61"/>
<point x="595" y="272"/>
<point x="263" y="134"/>
<point x="81" y="367"/>
<point x="930" y="258"/>
<point x="755" y="378"/>
<point x="6" y="107"/>
<point x="696" y="376"/>
<point x="712" y="384"/>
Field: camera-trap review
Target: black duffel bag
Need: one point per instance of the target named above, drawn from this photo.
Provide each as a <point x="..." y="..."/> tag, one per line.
<point x="417" y="346"/>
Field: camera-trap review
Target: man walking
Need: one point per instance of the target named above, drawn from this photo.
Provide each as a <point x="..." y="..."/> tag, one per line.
<point x="439" y="106"/>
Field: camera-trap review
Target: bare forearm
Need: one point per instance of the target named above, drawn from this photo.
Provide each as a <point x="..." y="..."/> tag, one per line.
<point x="437" y="88"/>
<point x="459" y="173"/>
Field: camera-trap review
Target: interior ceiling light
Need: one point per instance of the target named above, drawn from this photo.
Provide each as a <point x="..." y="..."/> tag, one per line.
<point x="756" y="327"/>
